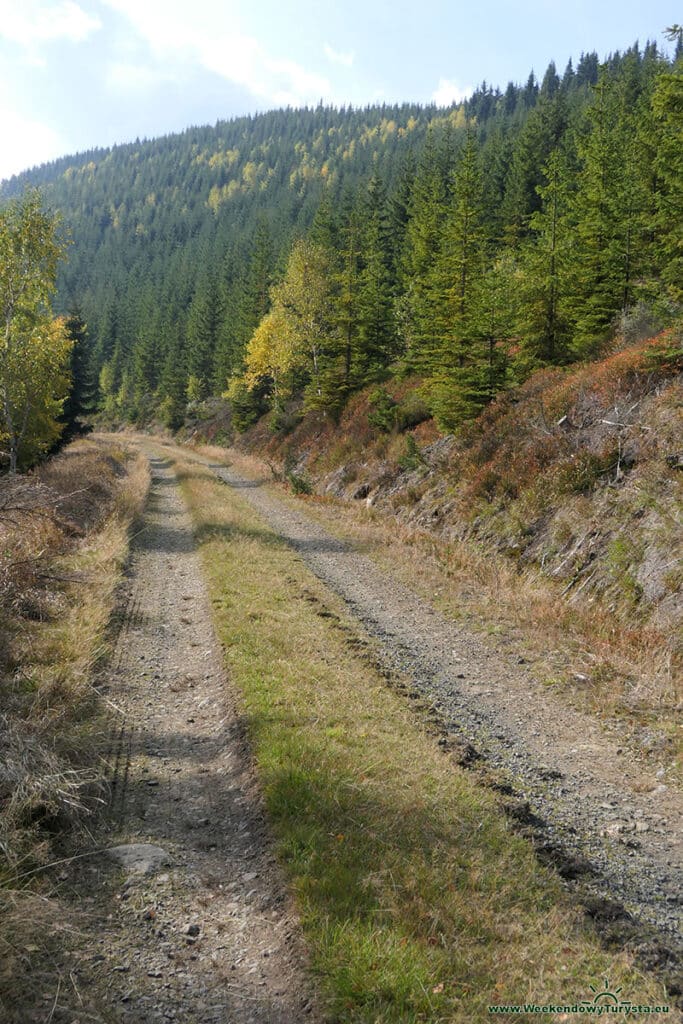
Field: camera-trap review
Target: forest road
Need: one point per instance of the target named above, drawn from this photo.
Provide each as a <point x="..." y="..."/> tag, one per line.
<point x="613" y="832"/>
<point x="187" y="917"/>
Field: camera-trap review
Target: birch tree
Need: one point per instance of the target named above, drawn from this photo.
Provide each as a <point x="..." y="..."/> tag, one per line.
<point x="34" y="348"/>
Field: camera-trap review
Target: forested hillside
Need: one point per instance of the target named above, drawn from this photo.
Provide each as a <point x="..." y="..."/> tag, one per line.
<point x="305" y="254"/>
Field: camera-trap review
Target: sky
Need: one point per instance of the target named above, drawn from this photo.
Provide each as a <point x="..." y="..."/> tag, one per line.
<point x="77" y="74"/>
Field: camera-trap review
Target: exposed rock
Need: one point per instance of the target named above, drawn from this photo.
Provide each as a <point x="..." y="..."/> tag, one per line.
<point x="141" y="858"/>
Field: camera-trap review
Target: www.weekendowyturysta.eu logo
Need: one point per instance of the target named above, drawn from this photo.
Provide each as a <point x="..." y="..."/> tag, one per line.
<point x="606" y="1001"/>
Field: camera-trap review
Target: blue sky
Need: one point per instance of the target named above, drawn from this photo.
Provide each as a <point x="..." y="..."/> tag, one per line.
<point x="75" y="74"/>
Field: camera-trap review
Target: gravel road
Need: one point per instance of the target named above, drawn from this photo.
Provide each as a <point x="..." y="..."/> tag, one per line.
<point x="186" y="914"/>
<point x="578" y="788"/>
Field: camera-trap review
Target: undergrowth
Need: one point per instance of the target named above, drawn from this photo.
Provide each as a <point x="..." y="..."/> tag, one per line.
<point x="63" y="539"/>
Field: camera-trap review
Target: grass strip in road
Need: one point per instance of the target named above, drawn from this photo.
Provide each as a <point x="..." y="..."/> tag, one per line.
<point x="417" y="901"/>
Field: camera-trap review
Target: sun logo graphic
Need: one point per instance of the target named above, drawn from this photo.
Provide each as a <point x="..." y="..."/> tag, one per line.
<point x="604" y="996"/>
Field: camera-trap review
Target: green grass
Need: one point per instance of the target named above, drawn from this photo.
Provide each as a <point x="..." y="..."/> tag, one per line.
<point x="417" y="901"/>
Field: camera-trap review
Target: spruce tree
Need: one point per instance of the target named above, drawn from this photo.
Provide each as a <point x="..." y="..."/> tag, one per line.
<point x="146" y="356"/>
<point x="544" y="128"/>
<point x="82" y="398"/>
<point x="173" y="379"/>
<point x="606" y="213"/>
<point x="423" y="240"/>
<point x="667" y="108"/>
<point x="546" y="261"/>
<point x="377" y="333"/>
<point x="344" y="369"/>
<point x="457" y="374"/>
<point x="204" y="324"/>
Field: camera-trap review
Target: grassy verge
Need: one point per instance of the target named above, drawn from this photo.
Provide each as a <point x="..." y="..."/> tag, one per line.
<point x="63" y="540"/>
<point x="418" y="903"/>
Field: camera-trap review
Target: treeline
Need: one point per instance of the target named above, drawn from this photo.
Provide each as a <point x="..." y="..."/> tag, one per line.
<point x="498" y="252"/>
<point x="312" y="252"/>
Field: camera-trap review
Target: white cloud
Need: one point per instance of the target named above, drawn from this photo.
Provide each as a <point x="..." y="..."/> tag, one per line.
<point x="448" y="92"/>
<point x="208" y="33"/>
<point x="133" y="78"/>
<point x="345" y="59"/>
<point x="34" y="22"/>
<point x="32" y="143"/>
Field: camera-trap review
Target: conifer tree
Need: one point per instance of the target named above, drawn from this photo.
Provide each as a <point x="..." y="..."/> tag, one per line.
<point x="82" y="396"/>
<point x="667" y="107"/>
<point x="458" y="373"/>
<point x="377" y="335"/>
<point x="203" y="330"/>
<point x="398" y="220"/>
<point x="423" y="240"/>
<point x="605" y="213"/>
<point x="258" y="280"/>
<point x="546" y="261"/>
<point x="146" y="360"/>
<point x="541" y="133"/>
<point x="231" y="341"/>
<point x="344" y="367"/>
<point x="173" y="379"/>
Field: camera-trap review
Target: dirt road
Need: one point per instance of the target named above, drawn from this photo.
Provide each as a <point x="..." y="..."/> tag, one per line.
<point x="186" y="916"/>
<point x="187" y="919"/>
<point x="584" y="787"/>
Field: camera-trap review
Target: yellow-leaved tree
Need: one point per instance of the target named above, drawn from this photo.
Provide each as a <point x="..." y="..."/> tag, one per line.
<point x="34" y="347"/>
<point x="272" y="352"/>
<point x="291" y="338"/>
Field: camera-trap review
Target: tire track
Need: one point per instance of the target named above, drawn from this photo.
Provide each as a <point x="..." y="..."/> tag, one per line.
<point x="207" y="934"/>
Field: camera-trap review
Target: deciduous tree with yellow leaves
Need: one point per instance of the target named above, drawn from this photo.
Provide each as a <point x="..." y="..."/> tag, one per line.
<point x="293" y="336"/>
<point x="34" y="347"/>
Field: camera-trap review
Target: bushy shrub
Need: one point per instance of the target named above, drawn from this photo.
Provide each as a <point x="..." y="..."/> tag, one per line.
<point x="170" y="413"/>
<point x="247" y="404"/>
<point x="412" y="410"/>
<point x="285" y="420"/>
<point x="412" y="457"/>
<point x="383" y="410"/>
<point x="299" y="483"/>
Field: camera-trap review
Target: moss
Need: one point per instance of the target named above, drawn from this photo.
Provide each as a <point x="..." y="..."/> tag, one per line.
<point x="624" y="555"/>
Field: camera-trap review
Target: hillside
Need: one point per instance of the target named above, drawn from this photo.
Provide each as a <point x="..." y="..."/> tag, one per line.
<point x="312" y="252"/>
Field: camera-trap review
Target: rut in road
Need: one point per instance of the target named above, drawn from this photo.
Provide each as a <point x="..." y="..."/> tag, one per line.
<point x="208" y="934"/>
<point x="583" y="786"/>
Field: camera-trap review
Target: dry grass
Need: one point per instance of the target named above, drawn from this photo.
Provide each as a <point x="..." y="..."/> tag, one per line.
<point x="418" y="902"/>
<point x="63" y="542"/>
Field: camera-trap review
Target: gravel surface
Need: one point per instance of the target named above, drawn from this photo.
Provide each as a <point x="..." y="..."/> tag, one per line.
<point x="577" y="787"/>
<point x="186" y="914"/>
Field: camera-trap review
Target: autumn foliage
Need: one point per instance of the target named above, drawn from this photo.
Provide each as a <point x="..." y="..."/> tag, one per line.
<point x="564" y="419"/>
<point x="34" y="347"/>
